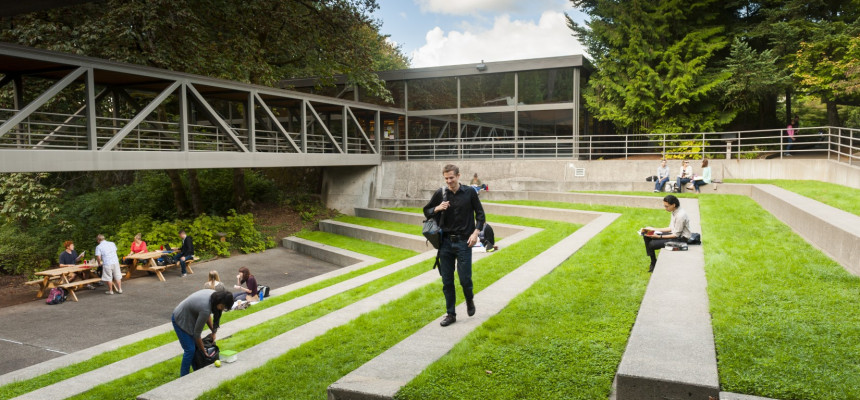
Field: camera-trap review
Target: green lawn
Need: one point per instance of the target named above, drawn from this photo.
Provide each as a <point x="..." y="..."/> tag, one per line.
<point x="838" y="196"/>
<point x="306" y="372"/>
<point x="687" y="194"/>
<point x="564" y="337"/>
<point x="408" y="229"/>
<point x="784" y="315"/>
<point x="389" y="254"/>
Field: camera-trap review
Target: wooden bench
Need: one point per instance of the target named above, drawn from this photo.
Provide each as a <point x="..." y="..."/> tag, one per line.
<point x="72" y="286"/>
<point x="43" y="284"/>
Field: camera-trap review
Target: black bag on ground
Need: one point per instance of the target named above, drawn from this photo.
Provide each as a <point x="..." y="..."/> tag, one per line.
<point x="201" y="360"/>
<point x="695" y="238"/>
<point x="652" y="178"/>
<point x="431" y="229"/>
<point x="264" y="290"/>
<point x="487" y="237"/>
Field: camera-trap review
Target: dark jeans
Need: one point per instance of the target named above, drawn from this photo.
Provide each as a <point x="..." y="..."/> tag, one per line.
<point x="681" y="183"/>
<point x="188" y="348"/>
<point x="660" y="183"/>
<point x="449" y="252"/>
<point x="182" y="263"/>
<point x="652" y="245"/>
<point x="698" y="183"/>
<point x="240" y="296"/>
<point x="790" y="143"/>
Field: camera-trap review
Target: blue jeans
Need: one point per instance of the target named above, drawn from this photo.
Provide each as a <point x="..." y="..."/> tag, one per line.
<point x="698" y="183"/>
<point x="681" y="183"/>
<point x="448" y="253"/>
<point x="660" y="183"/>
<point x="182" y="263"/>
<point x="188" y="348"/>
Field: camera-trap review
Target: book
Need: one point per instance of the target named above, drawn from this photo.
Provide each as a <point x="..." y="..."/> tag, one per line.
<point x="645" y="232"/>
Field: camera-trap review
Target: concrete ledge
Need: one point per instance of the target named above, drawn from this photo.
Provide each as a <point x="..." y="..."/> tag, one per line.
<point x="396" y="239"/>
<point x="383" y="376"/>
<point x="832" y="230"/>
<point x="193" y="385"/>
<point x="330" y="254"/>
<point x="501" y="230"/>
<point x="735" y="396"/>
<point x="579" y="198"/>
<point x="571" y="216"/>
<point x="670" y="353"/>
<point x="555" y="186"/>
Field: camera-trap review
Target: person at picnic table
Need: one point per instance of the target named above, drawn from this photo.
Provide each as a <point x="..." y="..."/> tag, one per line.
<point x="191" y="315"/>
<point x="186" y="251"/>
<point x="138" y="246"/>
<point x="678" y="230"/>
<point x="69" y="258"/>
<point x="107" y="258"/>
<point x="245" y="277"/>
<point x="214" y="282"/>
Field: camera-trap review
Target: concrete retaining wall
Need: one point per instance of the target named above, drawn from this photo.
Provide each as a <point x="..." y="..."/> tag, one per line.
<point x="396" y="239"/>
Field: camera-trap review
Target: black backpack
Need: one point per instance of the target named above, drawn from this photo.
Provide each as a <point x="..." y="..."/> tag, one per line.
<point x="213" y="353"/>
<point x="487" y="237"/>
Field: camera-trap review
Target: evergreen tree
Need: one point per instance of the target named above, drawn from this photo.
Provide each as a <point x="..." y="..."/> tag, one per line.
<point x="657" y="63"/>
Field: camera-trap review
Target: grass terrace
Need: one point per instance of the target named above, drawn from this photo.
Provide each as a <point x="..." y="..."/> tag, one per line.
<point x="838" y="196"/>
<point x="311" y="368"/>
<point x="784" y="314"/>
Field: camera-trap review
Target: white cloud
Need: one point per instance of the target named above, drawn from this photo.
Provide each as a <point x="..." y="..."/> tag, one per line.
<point x="464" y="7"/>
<point x="506" y="40"/>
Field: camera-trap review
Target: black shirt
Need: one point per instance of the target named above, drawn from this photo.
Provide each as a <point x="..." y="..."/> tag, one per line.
<point x="68" y="258"/>
<point x="462" y="213"/>
<point x="187" y="248"/>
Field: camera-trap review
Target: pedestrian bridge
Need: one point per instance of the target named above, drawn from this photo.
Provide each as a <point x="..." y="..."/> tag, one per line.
<point x="61" y="112"/>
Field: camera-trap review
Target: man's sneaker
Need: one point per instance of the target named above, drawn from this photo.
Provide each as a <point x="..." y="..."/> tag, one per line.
<point x="119" y="291"/>
<point x="655" y="190"/>
<point x="109" y="292"/>
<point x="184" y="275"/>
<point x="90" y="287"/>
<point x="470" y="307"/>
<point x="448" y="320"/>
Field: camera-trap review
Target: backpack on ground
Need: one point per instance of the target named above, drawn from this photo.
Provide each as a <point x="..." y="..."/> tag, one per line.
<point x="264" y="290"/>
<point x="56" y="296"/>
<point x="211" y="354"/>
<point x="487" y="237"/>
<point x="695" y="238"/>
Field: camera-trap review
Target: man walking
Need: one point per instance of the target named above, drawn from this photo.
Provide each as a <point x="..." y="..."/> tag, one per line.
<point x="186" y="251"/>
<point x="107" y="258"/>
<point x="461" y="218"/>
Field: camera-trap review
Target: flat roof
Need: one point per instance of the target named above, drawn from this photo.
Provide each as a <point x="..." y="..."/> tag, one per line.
<point x="576" y="60"/>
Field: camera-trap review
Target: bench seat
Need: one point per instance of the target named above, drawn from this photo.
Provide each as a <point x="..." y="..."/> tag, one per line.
<point x="72" y="286"/>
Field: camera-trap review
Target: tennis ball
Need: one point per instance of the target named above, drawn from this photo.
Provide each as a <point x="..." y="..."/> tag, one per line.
<point x="217" y="363"/>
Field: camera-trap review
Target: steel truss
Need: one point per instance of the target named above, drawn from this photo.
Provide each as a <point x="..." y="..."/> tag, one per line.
<point x="61" y="112"/>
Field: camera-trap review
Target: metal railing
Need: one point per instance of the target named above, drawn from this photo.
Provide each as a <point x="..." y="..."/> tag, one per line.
<point x="841" y="144"/>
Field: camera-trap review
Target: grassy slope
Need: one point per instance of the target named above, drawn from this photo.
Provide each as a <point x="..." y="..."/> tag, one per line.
<point x="310" y="368"/>
<point x="389" y="254"/>
<point x="563" y="337"/>
<point x="784" y="315"/>
<point x="841" y="197"/>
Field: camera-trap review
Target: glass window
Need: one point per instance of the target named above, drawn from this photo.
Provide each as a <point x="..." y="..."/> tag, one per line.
<point x="546" y="86"/>
<point x="546" y="123"/>
<point x="432" y="94"/>
<point x="487" y="134"/>
<point x="487" y="90"/>
<point x="395" y="87"/>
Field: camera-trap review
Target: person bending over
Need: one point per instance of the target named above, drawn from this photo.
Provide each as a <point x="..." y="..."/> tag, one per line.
<point x="245" y="277"/>
<point x="678" y="230"/>
<point x="191" y="315"/>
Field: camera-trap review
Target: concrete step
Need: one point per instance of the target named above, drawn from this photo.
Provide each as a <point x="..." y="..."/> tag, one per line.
<point x="88" y="380"/>
<point x="360" y="261"/>
<point x="404" y="241"/>
<point x="330" y="254"/>
<point x="571" y="216"/>
<point x="193" y="385"/>
<point x="383" y="376"/>
<point x="500" y="230"/>
<point x="670" y="353"/>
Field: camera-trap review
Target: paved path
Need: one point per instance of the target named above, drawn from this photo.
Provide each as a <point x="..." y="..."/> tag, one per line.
<point x="34" y="332"/>
<point x="383" y="376"/>
<point x="670" y="353"/>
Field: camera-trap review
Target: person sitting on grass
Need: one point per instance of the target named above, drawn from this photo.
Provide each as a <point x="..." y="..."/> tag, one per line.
<point x="245" y="277"/>
<point x="191" y="315"/>
<point x="678" y="230"/>
<point x="214" y="282"/>
<point x="705" y="178"/>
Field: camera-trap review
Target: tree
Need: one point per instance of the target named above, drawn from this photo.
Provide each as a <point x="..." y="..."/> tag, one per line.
<point x="657" y="63"/>
<point x="828" y="67"/>
<point x="27" y="200"/>
<point x="754" y="80"/>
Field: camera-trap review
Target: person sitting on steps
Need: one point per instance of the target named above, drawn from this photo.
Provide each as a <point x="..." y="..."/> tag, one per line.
<point x="678" y="230"/>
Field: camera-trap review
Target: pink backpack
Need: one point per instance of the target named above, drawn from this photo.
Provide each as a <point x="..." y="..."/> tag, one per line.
<point x="56" y="296"/>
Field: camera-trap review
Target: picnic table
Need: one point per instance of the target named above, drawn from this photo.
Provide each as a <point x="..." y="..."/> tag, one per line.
<point x="148" y="262"/>
<point x="61" y="277"/>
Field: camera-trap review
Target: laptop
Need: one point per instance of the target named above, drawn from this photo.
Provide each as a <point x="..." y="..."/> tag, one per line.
<point x="167" y="248"/>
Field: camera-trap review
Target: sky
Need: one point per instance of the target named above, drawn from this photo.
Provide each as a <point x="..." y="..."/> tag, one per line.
<point x="451" y="32"/>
